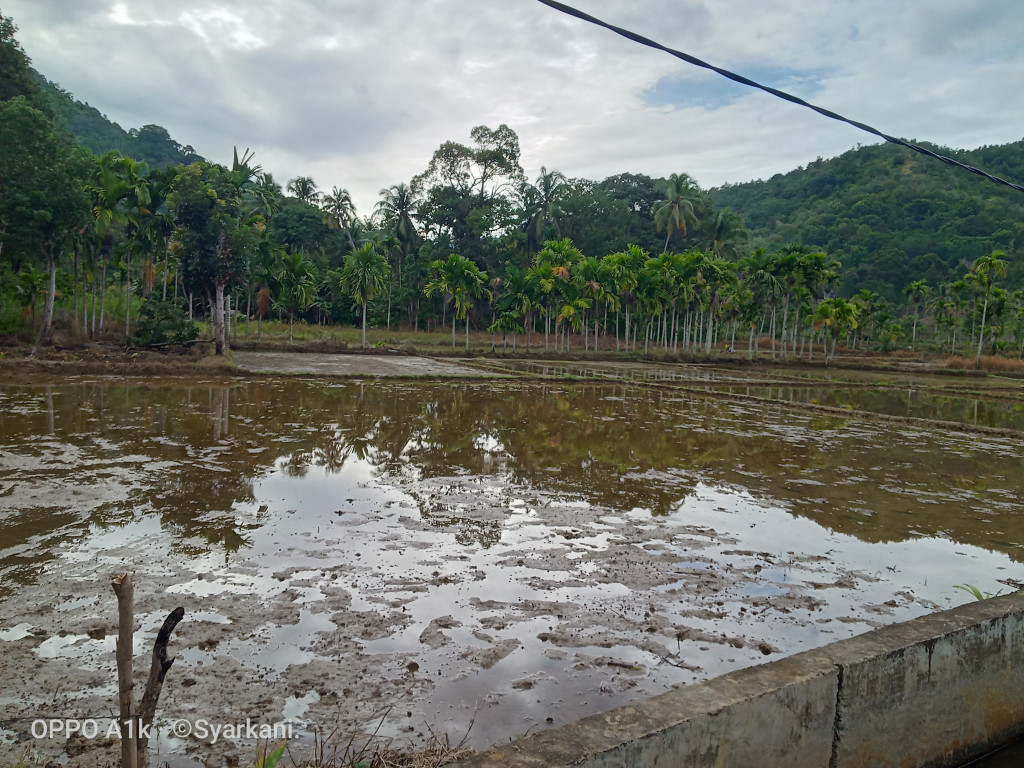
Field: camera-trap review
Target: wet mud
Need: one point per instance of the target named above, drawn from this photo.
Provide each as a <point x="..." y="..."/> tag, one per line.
<point x="498" y="557"/>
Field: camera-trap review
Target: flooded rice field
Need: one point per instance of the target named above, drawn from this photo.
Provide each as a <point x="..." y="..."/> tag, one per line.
<point x="426" y="556"/>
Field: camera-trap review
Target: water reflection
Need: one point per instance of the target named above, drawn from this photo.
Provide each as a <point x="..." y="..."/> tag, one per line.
<point x="92" y="454"/>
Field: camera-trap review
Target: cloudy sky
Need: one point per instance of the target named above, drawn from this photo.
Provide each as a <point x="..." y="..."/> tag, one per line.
<point x="359" y="93"/>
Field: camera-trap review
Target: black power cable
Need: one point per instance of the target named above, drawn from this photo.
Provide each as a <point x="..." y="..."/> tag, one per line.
<point x="773" y="91"/>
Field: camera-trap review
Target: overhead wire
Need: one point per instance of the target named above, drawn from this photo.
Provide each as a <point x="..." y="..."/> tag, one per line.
<point x="569" y="10"/>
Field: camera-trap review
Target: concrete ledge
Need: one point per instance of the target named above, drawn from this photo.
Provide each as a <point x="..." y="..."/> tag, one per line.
<point x="928" y="693"/>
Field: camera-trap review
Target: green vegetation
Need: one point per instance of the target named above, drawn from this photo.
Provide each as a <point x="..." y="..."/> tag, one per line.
<point x="977" y="593"/>
<point x="877" y="250"/>
<point x="891" y="216"/>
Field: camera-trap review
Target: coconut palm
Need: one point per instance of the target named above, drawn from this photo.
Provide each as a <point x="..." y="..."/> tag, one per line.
<point x="726" y="234"/>
<point x="678" y="208"/>
<point x="364" y="276"/>
<point x="397" y="208"/>
<point x="304" y="188"/>
<point x="340" y="212"/>
<point x="542" y="205"/>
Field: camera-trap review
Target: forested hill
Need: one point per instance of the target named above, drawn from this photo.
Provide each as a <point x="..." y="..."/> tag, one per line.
<point x="151" y="143"/>
<point x="891" y="216"/>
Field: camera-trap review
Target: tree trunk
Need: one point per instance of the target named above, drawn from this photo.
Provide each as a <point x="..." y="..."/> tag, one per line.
<point x="217" y="318"/>
<point x="981" y="336"/>
<point x="45" y="337"/>
<point x="364" y="325"/>
<point x="103" y="294"/>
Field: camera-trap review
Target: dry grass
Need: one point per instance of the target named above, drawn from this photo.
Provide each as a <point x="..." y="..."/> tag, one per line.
<point x="361" y="750"/>
<point x="991" y="363"/>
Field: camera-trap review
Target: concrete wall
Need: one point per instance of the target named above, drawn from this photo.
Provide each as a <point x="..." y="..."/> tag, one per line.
<point x="928" y="693"/>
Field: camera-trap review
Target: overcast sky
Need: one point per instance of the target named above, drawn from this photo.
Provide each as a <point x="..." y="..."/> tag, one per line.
<point x="359" y="93"/>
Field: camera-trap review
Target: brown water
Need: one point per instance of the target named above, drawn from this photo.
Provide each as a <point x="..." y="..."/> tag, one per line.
<point x="517" y="555"/>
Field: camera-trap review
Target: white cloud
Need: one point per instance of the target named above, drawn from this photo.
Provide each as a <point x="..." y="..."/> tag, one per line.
<point x="359" y="94"/>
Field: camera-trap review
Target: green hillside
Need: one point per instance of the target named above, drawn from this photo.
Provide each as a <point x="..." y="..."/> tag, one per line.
<point x="150" y="143"/>
<point x="891" y="216"/>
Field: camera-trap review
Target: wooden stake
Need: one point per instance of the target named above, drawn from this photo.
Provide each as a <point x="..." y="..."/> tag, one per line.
<point x="125" y="591"/>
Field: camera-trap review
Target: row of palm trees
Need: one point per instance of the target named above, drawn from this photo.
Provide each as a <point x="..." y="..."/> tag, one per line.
<point x="671" y="302"/>
<point x="975" y="296"/>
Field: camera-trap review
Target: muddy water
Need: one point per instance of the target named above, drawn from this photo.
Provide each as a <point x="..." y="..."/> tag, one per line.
<point x="422" y="554"/>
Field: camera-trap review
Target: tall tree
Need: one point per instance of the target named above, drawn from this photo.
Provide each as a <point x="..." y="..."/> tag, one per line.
<point x="364" y="276"/>
<point x="916" y="291"/>
<point x="305" y="189"/>
<point x="677" y="209"/>
<point x="216" y="234"/>
<point x="42" y="196"/>
<point x="297" y="283"/>
<point x="340" y="212"/>
<point x="984" y="272"/>
<point x="463" y="281"/>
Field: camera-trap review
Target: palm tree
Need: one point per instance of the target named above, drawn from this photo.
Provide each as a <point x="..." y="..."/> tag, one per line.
<point x="296" y="279"/>
<point x="726" y="234"/>
<point x="673" y="213"/>
<point x="461" y="279"/>
<point x="304" y="188"/>
<point x="625" y="270"/>
<point x="340" y="212"/>
<point x="837" y="315"/>
<point x="397" y="208"/>
<point x="542" y="205"/>
<point x="515" y="304"/>
<point x="717" y="274"/>
<point x="984" y="272"/>
<point x="123" y="195"/>
<point x="758" y="270"/>
<point x="916" y="291"/>
<point x="552" y="267"/>
<point x="364" y="276"/>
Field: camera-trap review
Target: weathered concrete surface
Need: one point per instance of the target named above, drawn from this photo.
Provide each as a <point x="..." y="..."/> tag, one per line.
<point x="355" y="365"/>
<point x="775" y="714"/>
<point x="935" y="691"/>
<point x="928" y="693"/>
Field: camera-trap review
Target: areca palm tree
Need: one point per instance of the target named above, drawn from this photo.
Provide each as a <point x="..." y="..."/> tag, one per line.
<point x="678" y="208"/>
<point x="625" y="270"/>
<point x="716" y="274"/>
<point x="461" y="279"/>
<point x="758" y="272"/>
<point x="296" y="278"/>
<point x="984" y="272"/>
<point x="916" y="292"/>
<point x="122" y="195"/>
<point x="553" y="266"/>
<point x="364" y="276"/>
<point x="836" y="315"/>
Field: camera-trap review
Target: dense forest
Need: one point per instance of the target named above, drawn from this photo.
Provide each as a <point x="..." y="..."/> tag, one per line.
<point x="890" y="215"/>
<point x="113" y="234"/>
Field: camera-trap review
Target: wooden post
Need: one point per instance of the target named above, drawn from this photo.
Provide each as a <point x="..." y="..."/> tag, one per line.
<point x="157" y="672"/>
<point x="125" y="591"/>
